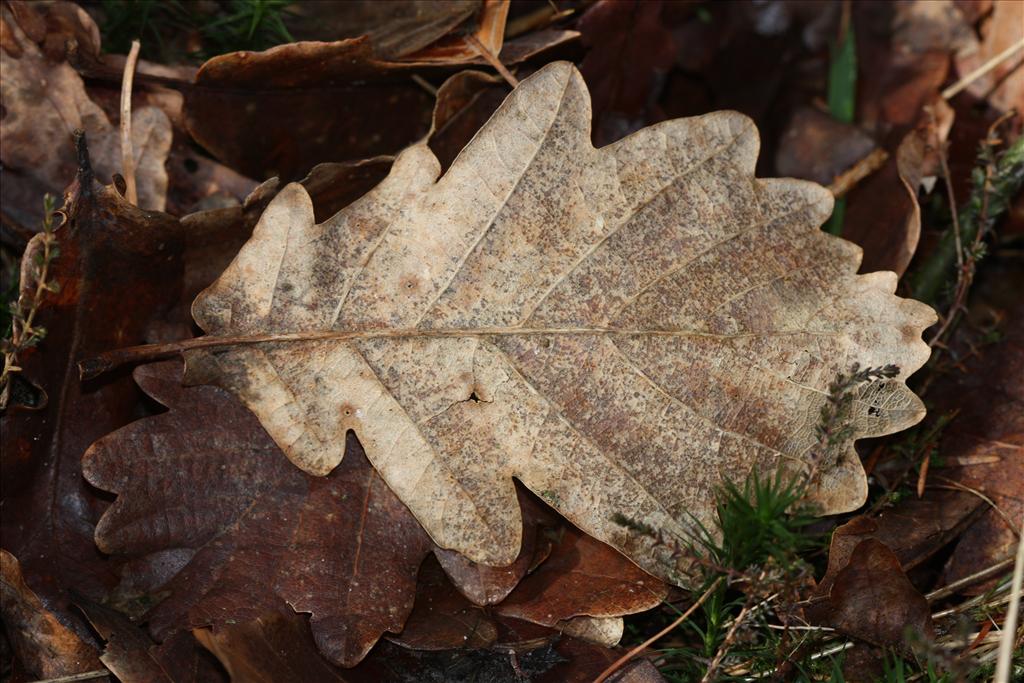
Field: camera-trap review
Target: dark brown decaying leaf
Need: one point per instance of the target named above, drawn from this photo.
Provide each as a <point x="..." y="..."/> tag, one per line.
<point x="314" y="92"/>
<point x="330" y="102"/>
<point x="629" y="50"/>
<point x="873" y="600"/>
<point x="132" y="656"/>
<point x="43" y="645"/>
<point x="248" y="532"/>
<point x="468" y="315"/>
<point x="107" y="249"/>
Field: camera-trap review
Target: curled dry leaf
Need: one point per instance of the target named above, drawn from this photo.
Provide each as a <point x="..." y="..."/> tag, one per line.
<point x="551" y="312"/>
<point x="873" y="600"/>
<point x="204" y="489"/>
<point x="884" y="216"/>
<point x="41" y="93"/>
<point x="45" y="646"/>
<point x="914" y="529"/>
<point x="606" y="325"/>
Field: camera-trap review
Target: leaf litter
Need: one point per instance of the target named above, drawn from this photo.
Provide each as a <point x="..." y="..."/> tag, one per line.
<point x="566" y="336"/>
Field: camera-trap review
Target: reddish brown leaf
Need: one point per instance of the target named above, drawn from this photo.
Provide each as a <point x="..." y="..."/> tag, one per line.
<point x="118" y="269"/>
<point x="582" y="577"/>
<point x="44" y="646"/>
<point x="873" y="600"/>
<point x="248" y="531"/>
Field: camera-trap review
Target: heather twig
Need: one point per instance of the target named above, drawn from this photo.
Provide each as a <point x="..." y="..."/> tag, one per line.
<point x="25" y="333"/>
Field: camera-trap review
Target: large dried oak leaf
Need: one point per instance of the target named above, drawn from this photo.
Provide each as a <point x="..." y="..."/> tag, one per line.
<point x="618" y="328"/>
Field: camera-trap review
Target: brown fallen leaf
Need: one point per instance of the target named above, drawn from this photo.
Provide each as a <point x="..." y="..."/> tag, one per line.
<point x="873" y="600"/>
<point x="581" y="577"/>
<point x="202" y="487"/>
<point x="629" y="50"/>
<point x="395" y="29"/>
<point x="43" y="645"/>
<point x="990" y="396"/>
<point x="572" y="301"/>
<point x="330" y="102"/>
<point x="277" y="647"/>
<point x="1003" y="87"/>
<point x="45" y="101"/>
<point x="914" y="529"/>
<point x="270" y="648"/>
<point x="107" y="248"/>
<point x="132" y="656"/>
<point x="884" y="214"/>
<point x="234" y="95"/>
<point x="815" y="146"/>
<point x="580" y="587"/>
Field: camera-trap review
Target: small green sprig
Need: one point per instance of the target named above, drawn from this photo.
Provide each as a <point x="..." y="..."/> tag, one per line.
<point x="25" y="333"/>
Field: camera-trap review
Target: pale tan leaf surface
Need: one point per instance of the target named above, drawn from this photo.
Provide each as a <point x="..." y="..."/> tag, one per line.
<point x="618" y="328"/>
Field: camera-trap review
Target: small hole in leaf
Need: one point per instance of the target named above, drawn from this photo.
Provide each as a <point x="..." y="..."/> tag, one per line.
<point x="191" y="165"/>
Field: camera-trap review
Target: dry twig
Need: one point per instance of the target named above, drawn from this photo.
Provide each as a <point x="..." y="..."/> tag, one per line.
<point x="127" y="153"/>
